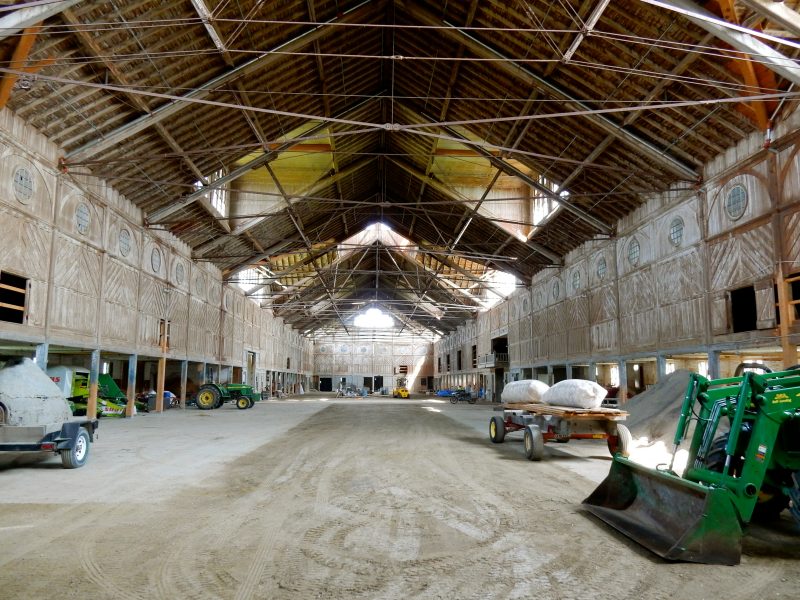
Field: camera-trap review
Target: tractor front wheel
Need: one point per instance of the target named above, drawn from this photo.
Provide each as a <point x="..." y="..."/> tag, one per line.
<point x="208" y="397"/>
<point x="242" y="402"/>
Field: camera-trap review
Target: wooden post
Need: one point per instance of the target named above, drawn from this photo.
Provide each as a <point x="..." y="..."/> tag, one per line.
<point x="184" y="377"/>
<point x="94" y="374"/>
<point x="40" y="358"/>
<point x="713" y="364"/>
<point x="131" y="391"/>
<point x="786" y="312"/>
<point x="661" y="367"/>
<point x="162" y="368"/>
<point x="623" y="381"/>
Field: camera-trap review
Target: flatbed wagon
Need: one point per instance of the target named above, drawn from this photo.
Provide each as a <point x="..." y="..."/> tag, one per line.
<point x="541" y="423"/>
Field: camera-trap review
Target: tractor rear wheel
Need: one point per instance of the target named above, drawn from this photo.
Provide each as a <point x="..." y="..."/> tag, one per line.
<point x="208" y="397"/>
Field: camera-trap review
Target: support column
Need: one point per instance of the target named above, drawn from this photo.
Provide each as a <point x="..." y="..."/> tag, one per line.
<point x="623" y="381"/>
<point x="184" y="377"/>
<point x="131" y="391"/>
<point x="549" y="374"/>
<point x="569" y="371"/>
<point x="713" y="364"/>
<point x="786" y="311"/>
<point x="162" y="368"/>
<point x="40" y="358"/>
<point x="592" y="371"/>
<point x="661" y="367"/>
<point x="94" y="374"/>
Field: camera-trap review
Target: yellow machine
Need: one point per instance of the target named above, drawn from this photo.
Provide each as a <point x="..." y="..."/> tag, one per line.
<point x="400" y="390"/>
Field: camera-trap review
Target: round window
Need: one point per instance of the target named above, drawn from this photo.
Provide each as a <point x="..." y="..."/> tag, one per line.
<point x="180" y="273"/>
<point x="736" y="202"/>
<point x="155" y="260"/>
<point x="124" y="242"/>
<point x="556" y="290"/>
<point x="676" y="231"/>
<point x="82" y="218"/>
<point x="576" y="280"/>
<point x="634" y="252"/>
<point x="199" y="286"/>
<point x="602" y="268"/>
<point x="23" y="185"/>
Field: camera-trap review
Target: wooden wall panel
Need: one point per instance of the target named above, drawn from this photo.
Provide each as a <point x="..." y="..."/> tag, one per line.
<point x="26" y="245"/>
<point x="680" y="278"/>
<point x="739" y="260"/>
<point x="120" y="283"/>
<point x="637" y="292"/>
<point x="683" y="322"/>
<point x="604" y="336"/>
<point x="179" y="319"/>
<point x="791" y="241"/>
<point x="197" y="315"/>
<point x="602" y="304"/>
<point x="76" y="285"/>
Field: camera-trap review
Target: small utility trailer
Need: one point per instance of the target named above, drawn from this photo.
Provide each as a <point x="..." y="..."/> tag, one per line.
<point x="542" y="423"/>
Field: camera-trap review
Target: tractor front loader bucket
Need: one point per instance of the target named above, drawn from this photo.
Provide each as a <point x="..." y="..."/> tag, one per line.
<point x="673" y="517"/>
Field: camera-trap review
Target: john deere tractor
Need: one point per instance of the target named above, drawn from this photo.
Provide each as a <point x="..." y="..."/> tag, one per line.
<point x="214" y="395"/>
<point x="743" y="465"/>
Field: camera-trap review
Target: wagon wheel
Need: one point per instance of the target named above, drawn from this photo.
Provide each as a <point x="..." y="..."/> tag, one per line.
<point x="534" y="443"/>
<point x="497" y="430"/>
<point x="622" y="442"/>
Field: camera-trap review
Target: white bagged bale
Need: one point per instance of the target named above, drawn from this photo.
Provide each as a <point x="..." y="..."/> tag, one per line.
<point x="575" y="393"/>
<point x="529" y="391"/>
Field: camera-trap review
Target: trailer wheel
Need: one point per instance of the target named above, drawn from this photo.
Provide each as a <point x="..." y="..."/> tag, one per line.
<point x="208" y="397"/>
<point x="497" y="430"/>
<point x="623" y="443"/>
<point x="75" y="457"/>
<point x="534" y="443"/>
<point x="242" y="402"/>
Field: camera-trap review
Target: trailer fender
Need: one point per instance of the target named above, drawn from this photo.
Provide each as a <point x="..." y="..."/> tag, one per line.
<point x="69" y="433"/>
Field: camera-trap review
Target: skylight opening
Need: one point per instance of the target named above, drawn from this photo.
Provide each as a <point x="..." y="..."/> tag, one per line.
<point x="502" y="285"/>
<point x="249" y="279"/>
<point x="218" y="196"/>
<point x="374" y="318"/>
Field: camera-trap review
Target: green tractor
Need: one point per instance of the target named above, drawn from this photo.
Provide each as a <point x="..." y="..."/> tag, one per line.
<point x="743" y="465"/>
<point x="214" y="395"/>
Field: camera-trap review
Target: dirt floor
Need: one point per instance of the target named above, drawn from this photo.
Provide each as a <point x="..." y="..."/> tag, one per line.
<point x="355" y="499"/>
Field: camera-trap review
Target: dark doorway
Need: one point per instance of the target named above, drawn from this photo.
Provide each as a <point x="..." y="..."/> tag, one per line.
<point x="743" y="309"/>
<point x="378" y="382"/>
<point x="368" y="383"/>
<point x="325" y="384"/>
<point x="498" y="384"/>
<point x="559" y="373"/>
<point x="500" y="345"/>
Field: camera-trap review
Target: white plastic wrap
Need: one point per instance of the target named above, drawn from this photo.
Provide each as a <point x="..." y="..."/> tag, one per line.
<point x="575" y="393"/>
<point x="529" y="391"/>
